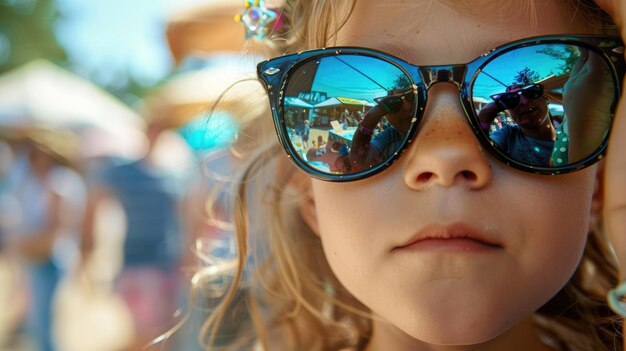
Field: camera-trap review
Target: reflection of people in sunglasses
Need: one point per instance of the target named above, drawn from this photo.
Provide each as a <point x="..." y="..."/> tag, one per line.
<point x="369" y="147"/>
<point x="531" y="138"/>
<point x="332" y="154"/>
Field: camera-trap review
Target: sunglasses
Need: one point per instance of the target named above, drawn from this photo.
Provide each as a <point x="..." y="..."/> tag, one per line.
<point x="511" y="99"/>
<point x="393" y="103"/>
<point x="318" y="85"/>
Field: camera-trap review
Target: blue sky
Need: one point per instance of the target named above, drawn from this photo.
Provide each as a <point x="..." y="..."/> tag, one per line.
<point x="109" y="40"/>
<point x="354" y="77"/>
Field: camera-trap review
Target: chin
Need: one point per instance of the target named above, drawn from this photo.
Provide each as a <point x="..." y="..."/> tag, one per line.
<point x="459" y="331"/>
<point x="459" y="336"/>
<point x="465" y="323"/>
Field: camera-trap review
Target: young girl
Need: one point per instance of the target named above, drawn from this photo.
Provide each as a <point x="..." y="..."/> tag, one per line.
<point x="446" y="242"/>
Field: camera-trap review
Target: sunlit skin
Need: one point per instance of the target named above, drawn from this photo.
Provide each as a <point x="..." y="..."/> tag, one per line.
<point x="434" y="299"/>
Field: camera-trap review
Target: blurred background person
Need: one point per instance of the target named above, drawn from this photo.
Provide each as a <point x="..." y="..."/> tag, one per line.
<point x="50" y="196"/>
<point x="149" y="191"/>
<point x="12" y="288"/>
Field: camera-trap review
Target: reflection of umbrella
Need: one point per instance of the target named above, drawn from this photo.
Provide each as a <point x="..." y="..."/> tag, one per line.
<point x="330" y="102"/>
<point x="357" y="102"/>
<point x="291" y="101"/>
<point x="41" y="94"/>
<point x="336" y="101"/>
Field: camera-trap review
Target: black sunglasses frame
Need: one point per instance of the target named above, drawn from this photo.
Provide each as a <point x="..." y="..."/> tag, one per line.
<point x="275" y="73"/>
<point x="525" y="90"/>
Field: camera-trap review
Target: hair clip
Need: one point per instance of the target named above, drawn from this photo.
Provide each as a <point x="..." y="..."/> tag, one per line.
<point x="255" y="18"/>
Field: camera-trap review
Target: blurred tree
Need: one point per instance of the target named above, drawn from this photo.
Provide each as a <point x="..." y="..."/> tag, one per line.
<point x="569" y="54"/>
<point x="401" y="82"/>
<point x="27" y="33"/>
<point x="526" y="76"/>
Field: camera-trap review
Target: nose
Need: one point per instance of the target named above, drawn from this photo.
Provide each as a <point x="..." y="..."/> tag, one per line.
<point x="445" y="152"/>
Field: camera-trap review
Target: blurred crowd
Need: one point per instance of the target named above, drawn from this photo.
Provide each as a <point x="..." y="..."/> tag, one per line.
<point x="102" y="206"/>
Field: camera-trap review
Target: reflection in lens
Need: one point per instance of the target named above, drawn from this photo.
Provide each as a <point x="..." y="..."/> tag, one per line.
<point x="347" y="113"/>
<point x="565" y="124"/>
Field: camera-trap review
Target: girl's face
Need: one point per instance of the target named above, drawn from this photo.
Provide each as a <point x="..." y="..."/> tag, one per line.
<point x="526" y="232"/>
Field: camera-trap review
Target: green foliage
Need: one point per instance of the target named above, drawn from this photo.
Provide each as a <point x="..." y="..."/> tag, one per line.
<point x="569" y="56"/>
<point x="401" y="82"/>
<point x="27" y="33"/>
<point x="526" y="76"/>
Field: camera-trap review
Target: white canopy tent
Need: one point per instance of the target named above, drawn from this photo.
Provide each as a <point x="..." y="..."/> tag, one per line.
<point x="42" y="95"/>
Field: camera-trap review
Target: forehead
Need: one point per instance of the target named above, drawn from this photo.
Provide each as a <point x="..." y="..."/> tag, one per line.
<point x="446" y="32"/>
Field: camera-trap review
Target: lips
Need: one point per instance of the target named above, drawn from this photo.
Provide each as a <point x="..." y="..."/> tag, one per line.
<point x="454" y="237"/>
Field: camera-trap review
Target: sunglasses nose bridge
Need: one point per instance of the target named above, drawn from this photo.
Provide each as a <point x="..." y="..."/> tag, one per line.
<point x="440" y="74"/>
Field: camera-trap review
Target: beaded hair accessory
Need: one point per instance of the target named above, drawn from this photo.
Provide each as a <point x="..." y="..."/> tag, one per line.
<point x="258" y="20"/>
